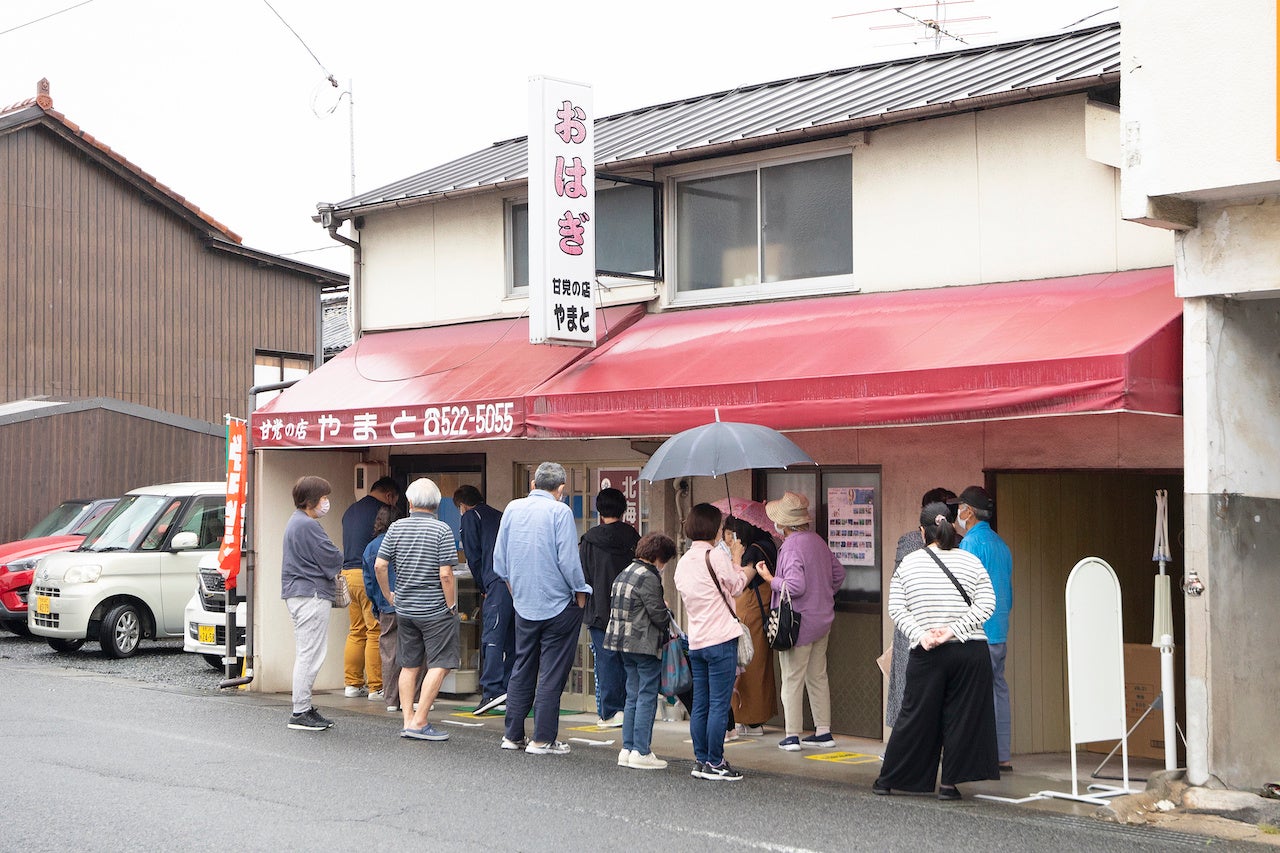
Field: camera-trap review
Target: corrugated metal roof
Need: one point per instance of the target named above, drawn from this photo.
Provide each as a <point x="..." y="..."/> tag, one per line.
<point x="797" y="105"/>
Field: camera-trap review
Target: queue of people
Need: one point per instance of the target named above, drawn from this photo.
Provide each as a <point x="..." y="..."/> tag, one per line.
<point x="949" y="600"/>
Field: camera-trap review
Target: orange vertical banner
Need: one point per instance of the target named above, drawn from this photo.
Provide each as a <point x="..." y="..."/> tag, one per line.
<point x="237" y="487"/>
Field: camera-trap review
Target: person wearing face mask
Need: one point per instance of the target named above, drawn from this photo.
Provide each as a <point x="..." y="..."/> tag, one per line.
<point x="975" y="509"/>
<point x="308" y="571"/>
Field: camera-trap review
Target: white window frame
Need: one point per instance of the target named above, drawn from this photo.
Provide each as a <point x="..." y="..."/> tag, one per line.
<point x="762" y="290"/>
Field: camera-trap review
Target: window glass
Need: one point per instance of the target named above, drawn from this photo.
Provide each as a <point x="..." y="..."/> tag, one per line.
<point x="807" y="219"/>
<point x="124" y="524"/>
<point x="204" y="517"/>
<point x="56" y="522"/>
<point x="774" y="224"/>
<point x="269" y="368"/>
<point x="161" y="528"/>
<point x="519" y="240"/>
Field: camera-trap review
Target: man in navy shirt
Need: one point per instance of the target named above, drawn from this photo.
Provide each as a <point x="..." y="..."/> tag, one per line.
<point x="479" y="528"/>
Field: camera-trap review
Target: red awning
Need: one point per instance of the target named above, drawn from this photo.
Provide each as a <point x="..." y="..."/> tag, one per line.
<point x="446" y="383"/>
<point x="1094" y="343"/>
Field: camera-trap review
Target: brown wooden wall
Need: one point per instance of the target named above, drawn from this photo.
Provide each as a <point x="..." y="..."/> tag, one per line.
<point x="105" y="292"/>
<point x="96" y="453"/>
<point x="1051" y="521"/>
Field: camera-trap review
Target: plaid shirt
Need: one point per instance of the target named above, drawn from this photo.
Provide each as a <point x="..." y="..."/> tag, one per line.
<point x="638" y="616"/>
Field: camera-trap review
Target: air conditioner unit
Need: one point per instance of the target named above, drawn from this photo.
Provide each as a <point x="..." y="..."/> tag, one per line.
<point x="366" y="474"/>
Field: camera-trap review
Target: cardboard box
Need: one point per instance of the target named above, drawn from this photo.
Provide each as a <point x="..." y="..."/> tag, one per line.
<point x="1141" y="688"/>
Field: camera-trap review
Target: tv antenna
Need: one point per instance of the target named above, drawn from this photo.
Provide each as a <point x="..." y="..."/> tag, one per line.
<point x="937" y="25"/>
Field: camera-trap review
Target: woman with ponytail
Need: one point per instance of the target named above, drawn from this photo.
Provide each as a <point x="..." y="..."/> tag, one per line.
<point x="939" y="597"/>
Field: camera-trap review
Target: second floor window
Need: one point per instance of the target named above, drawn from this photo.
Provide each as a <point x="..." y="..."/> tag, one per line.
<point x="270" y="367"/>
<point x="791" y="222"/>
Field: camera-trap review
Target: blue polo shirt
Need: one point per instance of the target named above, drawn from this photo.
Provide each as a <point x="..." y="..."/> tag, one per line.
<point x="537" y="554"/>
<point x="985" y="544"/>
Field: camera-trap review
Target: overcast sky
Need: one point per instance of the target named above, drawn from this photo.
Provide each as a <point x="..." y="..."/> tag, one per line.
<point x="221" y="102"/>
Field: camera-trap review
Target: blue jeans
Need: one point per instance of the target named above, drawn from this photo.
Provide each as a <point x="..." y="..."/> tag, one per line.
<point x="611" y="680"/>
<point x="643" y="672"/>
<point x="497" y="640"/>
<point x="544" y="654"/>
<point x="1000" y="688"/>
<point x="714" y="669"/>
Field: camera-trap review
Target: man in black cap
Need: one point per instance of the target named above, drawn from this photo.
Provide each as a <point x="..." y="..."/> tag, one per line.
<point x="974" y="513"/>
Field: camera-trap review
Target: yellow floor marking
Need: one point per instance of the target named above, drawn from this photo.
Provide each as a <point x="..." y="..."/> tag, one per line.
<point x="845" y="757"/>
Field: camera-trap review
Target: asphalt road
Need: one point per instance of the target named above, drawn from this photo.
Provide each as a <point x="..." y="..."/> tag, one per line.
<point x="98" y="760"/>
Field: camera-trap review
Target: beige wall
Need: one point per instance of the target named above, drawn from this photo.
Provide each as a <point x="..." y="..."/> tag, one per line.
<point x="998" y="195"/>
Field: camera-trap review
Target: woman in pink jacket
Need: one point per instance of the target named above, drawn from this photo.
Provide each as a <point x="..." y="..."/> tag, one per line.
<point x="707" y="581"/>
<point x="810" y="574"/>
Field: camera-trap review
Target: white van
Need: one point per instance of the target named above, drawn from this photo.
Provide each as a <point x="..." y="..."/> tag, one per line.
<point x="132" y="576"/>
<point x="206" y="617"/>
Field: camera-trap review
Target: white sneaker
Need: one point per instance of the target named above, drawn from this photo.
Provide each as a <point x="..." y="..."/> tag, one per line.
<point x="614" y="722"/>
<point x="376" y="695"/>
<point x="554" y="748"/>
<point x="354" y="692"/>
<point x="645" y="762"/>
<point x="507" y="743"/>
<point x="623" y="757"/>
<point x="731" y="735"/>
<point x="750" y="731"/>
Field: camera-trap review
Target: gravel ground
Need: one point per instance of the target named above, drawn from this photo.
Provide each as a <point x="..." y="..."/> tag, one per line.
<point x="157" y="661"/>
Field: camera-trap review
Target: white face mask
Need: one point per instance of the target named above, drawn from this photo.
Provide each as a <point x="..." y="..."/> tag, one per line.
<point x="322" y="508"/>
<point x="961" y="524"/>
<point x="724" y="546"/>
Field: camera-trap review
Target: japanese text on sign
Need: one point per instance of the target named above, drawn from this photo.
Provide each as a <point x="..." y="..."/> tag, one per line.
<point x="388" y="426"/>
<point x="562" y="261"/>
<point x="237" y="488"/>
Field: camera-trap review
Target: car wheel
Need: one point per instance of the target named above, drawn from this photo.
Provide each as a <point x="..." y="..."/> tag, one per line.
<point x="18" y="627"/>
<point x="64" y="646"/>
<point x="121" y="631"/>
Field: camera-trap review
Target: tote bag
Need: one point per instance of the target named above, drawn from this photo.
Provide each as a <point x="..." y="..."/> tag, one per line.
<point x="676" y="676"/>
<point x="784" y="623"/>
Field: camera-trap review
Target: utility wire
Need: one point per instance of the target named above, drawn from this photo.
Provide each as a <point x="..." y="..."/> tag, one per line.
<point x="48" y="16"/>
<point x="300" y="41"/>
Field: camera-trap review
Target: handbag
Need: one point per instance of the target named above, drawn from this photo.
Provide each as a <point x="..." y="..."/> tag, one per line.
<point x="746" y="648"/>
<point x="341" y="592"/>
<point x="784" y="623"/>
<point x="676" y="676"/>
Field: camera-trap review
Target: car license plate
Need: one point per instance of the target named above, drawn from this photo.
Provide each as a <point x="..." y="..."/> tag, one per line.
<point x="42" y="605"/>
<point x="208" y="634"/>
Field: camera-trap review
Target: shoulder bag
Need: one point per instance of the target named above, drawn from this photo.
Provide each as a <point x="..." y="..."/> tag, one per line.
<point x="784" y="623"/>
<point x="746" y="649"/>
<point x="341" y="592"/>
<point x="676" y="676"/>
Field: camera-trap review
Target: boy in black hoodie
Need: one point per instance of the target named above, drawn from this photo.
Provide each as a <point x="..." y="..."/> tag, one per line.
<point x="605" y="551"/>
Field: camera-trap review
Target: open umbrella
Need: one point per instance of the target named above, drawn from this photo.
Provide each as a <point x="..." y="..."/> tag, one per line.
<point x="752" y="512"/>
<point x="718" y="448"/>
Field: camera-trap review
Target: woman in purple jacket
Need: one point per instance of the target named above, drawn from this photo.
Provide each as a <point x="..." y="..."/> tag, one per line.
<point x="811" y="574"/>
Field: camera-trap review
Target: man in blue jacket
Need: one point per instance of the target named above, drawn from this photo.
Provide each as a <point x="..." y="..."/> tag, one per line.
<point x="973" y="517"/>
<point x="479" y="529"/>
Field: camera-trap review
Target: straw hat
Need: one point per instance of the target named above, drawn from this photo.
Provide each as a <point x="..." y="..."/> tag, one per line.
<point x="791" y="510"/>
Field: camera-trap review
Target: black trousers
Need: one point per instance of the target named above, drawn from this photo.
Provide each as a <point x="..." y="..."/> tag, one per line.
<point x="948" y="712"/>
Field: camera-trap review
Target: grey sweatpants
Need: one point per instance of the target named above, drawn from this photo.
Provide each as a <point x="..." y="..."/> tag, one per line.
<point x="310" y="617"/>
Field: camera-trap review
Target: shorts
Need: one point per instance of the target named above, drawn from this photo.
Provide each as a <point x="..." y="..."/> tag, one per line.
<point x="434" y="640"/>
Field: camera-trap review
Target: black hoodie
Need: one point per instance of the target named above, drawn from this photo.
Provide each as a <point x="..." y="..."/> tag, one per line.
<point x="605" y="551"/>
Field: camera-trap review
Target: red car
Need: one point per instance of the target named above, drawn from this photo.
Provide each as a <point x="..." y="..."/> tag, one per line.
<point x="61" y="530"/>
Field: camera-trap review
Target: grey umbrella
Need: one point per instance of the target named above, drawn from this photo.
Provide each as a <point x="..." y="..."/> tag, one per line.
<point x="718" y="448"/>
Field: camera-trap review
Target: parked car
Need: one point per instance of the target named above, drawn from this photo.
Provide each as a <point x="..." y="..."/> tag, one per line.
<point x="18" y="559"/>
<point x="206" y="617"/>
<point x="131" y="577"/>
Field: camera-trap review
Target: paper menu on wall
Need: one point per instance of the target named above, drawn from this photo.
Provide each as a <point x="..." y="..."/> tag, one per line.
<point x="851" y="525"/>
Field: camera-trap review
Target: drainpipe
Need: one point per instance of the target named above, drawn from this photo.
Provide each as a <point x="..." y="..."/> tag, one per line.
<point x="246" y="579"/>
<point x="331" y="224"/>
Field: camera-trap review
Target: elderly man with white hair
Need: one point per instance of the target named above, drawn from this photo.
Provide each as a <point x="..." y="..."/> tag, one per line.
<point x="537" y="555"/>
<point x="426" y="602"/>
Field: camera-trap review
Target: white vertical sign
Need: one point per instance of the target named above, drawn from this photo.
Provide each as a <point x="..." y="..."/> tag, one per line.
<point x="562" y="208"/>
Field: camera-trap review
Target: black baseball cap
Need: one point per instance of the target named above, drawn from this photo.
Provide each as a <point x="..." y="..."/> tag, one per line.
<point x="976" y="497"/>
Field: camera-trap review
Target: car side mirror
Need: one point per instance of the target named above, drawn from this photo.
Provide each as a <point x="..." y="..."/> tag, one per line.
<point x="184" y="541"/>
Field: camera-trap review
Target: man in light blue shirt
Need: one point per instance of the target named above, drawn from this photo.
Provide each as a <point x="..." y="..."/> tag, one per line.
<point x="975" y="508"/>
<point x="537" y="555"/>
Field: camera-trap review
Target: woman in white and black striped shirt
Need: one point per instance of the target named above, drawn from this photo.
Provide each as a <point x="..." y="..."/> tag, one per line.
<point x="947" y="708"/>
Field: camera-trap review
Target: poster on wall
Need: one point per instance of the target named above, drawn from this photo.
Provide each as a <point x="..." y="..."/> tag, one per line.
<point x="627" y="481"/>
<point x="851" y="525"/>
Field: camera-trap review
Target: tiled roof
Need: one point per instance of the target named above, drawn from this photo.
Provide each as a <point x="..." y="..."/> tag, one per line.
<point x="809" y="107"/>
<point x="40" y="109"/>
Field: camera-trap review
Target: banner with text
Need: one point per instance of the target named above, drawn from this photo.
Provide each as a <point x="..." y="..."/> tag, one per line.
<point x="237" y="488"/>
<point x="562" y="198"/>
<point x="396" y="425"/>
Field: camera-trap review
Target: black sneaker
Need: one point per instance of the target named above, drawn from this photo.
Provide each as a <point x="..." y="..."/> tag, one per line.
<point x="697" y="770"/>
<point x="307" y="721"/>
<point x="489" y="704"/>
<point x="722" y="773"/>
<point x="315" y="712"/>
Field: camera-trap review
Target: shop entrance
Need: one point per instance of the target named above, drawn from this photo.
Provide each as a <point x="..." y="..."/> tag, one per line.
<point x="1051" y="520"/>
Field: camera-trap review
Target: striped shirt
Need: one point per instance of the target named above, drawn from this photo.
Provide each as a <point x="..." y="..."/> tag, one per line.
<point x="922" y="597"/>
<point x="418" y="546"/>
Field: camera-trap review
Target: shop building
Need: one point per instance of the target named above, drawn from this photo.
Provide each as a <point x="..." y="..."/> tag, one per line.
<point x="916" y="269"/>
